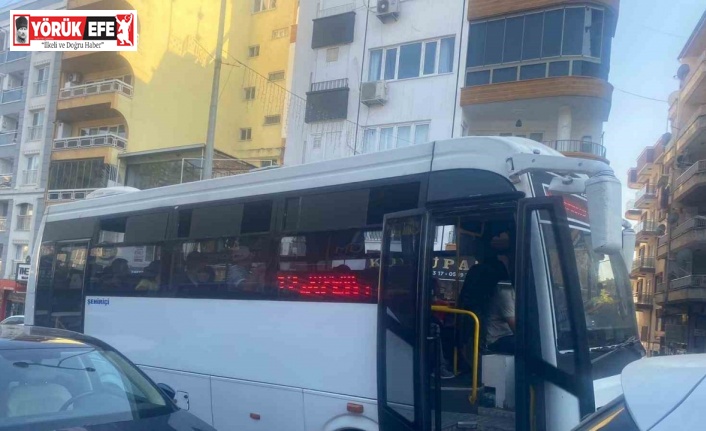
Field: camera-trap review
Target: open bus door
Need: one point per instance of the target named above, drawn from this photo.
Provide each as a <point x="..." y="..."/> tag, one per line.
<point x="402" y="332"/>
<point x="553" y="383"/>
<point x="553" y="379"/>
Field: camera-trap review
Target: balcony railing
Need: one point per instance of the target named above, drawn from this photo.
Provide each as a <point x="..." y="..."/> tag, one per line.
<point x="329" y="85"/>
<point x="8" y="56"/>
<point x="24" y="222"/>
<point x="647" y="192"/>
<point x="29" y="176"/>
<point x="578" y="65"/>
<point x="11" y="95"/>
<point x="698" y="222"/>
<point x="688" y="281"/>
<point x="696" y="168"/>
<point x="34" y="133"/>
<point x="40" y="87"/>
<point x="103" y="140"/>
<point x="8" y="137"/>
<point x="643" y="263"/>
<point x="336" y="10"/>
<point x="3" y="224"/>
<point x="642" y="298"/>
<point x="110" y="86"/>
<point x="646" y="227"/>
<point x="577" y="146"/>
<point x="5" y="181"/>
<point x="68" y="195"/>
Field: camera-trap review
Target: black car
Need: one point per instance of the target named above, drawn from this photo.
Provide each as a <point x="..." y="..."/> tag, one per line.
<point x="53" y="380"/>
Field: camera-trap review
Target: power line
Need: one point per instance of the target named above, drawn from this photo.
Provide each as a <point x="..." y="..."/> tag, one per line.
<point x="638" y="95"/>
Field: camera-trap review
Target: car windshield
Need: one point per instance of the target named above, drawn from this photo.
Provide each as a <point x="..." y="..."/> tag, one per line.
<point x="70" y="386"/>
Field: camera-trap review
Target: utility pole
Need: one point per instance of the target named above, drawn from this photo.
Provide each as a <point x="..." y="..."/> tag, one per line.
<point x="213" y="110"/>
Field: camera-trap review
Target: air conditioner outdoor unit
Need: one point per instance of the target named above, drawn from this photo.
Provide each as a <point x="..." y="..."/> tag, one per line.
<point x="388" y="10"/>
<point x="373" y="93"/>
<point x="75" y="78"/>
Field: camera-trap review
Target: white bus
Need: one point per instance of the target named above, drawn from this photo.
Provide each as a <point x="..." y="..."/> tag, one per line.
<point x="259" y="298"/>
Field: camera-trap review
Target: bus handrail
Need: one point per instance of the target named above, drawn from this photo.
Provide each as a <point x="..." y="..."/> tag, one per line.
<point x="476" y="341"/>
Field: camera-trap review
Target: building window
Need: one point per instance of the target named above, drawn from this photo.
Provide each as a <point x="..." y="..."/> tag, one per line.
<point x="24" y="217"/>
<point x="276" y="76"/>
<point x="246" y="134"/>
<point x="118" y="130"/>
<point x="267" y="163"/>
<point x="272" y="120"/>
<point x="317" y="142"/>
<point x="412" y="60"/>
<point x="37" y="124"/>
<point x="85" y="174"/>
<point x="394" y="136"/>
<point x="42" y="82"/>
<point x="332" y="55"/>
<point x="249" y="93"/>
<point x="280" y="33"/>
<point x="263" y="5"/>
<point x="570" y="31"/>
<point x="253" y="51"/>
<point x="30" y="174"/>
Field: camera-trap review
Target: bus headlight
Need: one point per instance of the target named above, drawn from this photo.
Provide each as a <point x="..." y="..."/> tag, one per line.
<point x="612" y="417"/>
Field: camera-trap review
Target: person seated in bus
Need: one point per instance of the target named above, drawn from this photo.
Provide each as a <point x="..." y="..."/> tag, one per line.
<point x="151" y="277"/>
<point x="117" y="275"/>
<point x="187" y="281"/>
<point x="243" y="275"/>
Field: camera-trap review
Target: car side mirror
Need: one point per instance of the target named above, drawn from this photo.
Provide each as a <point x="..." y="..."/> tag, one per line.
<point x="168" y="391"/>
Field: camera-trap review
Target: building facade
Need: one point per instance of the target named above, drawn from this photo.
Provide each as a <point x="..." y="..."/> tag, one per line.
<point x="396" y="73"/>
<point x="672" y="176"/>
<point x="27" y="112"/>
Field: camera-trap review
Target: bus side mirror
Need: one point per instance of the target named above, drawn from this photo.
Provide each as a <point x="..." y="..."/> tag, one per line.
<point x="603" y="192"/>
<point x="168" y="391"/>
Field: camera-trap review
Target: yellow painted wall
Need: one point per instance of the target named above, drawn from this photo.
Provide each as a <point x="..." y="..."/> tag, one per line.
<point x="173" y="72"/>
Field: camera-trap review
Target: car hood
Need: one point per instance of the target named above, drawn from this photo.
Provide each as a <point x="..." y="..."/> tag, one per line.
<point x="661" y="390"/>
<point x="180" y="420"/>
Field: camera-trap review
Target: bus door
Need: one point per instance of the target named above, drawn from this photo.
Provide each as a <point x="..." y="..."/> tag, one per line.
<point x="60" y="285"/>
<point x="402" y="329"/>
<point x="553" y="379"/>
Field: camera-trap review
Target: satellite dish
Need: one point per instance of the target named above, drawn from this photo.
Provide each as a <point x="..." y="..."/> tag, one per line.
<point x="683" y="71"/>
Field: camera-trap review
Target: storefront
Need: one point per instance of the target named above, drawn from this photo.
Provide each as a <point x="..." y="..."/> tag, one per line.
<point x="12" y="298"/>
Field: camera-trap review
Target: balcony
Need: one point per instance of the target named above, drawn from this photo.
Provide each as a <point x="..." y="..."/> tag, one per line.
<point x="633" y="183"/>
<point x="334" y="26"/>
<point x="29" y="176"/>
<point x="569" y="86"/>
<point x="9" y="56"/>
<point x="684" y="289"/>
<point x="643" y="266"/>
<point x="689" y="186"/>
<point x="11" y="95"/>
<point x="693" y="91"/>
<point x="662" y="246"/>
<point x="68" y="195"/>
<point x="645" y="197"/>
<point x="24" y="222"/>
<point x="327" y="100"/>
<point x="689" y="234"/>
<point x="97" y="100"/>
<point x="8" y="137"/>
<point x="646" y="229"/>
<point x="645" y="164"/>
<point x="482" y="9"/>
<point x="577" y="148"/>
<point x="642" y="300"/>
<point x="91" y="141"/>
<point x="3" y="224"/>
<point x="694" y="131"/>
<point x="631" y="212"/>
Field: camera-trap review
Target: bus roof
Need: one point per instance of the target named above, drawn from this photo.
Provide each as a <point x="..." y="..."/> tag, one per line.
<point x="486" y="153"/>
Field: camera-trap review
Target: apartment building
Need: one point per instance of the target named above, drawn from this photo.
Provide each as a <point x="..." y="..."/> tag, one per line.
<point x="673" y="176"/>
<point x="140" y="118"/>
<point x="27" y="111"/>
<point x="389" y="73"/>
